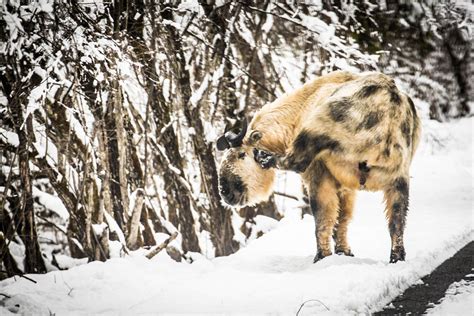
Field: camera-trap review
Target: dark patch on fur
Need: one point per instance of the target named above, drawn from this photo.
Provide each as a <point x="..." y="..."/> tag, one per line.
<point x="367" y="91"/>
<point x="414" y="115"/>
<point x="396" y="207"/>
<point x="395" y="96"/>
<point x="319" y="171"/>
<point x="301" y="141"/>
<point x="306" y="147"/>
<point x="412" y="106"/>
<point x="364" y="173"/>
<point x="339" y="109"/>
<point x="322" y="142"/>
<point x="299" y="159"/>
<point x="405" y="128"/>
<point x="388" y="144"/>
<point x="313" y="203"/>
<point x="401" y="185"/>
<point x="370" y="120"/>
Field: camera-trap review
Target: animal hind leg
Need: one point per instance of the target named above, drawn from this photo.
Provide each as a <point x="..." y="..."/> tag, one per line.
<point x="396" y="198"/>
<point x="346" y="208"/>
<point x="324" y="204"/>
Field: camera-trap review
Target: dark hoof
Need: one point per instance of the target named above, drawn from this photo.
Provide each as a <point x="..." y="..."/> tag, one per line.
<point x="347" y="252"/>
<point x="318" y="257"/>
<point x="397" y="254"/>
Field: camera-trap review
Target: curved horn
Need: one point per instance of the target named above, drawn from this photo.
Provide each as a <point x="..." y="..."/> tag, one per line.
<point x="235" y="140"/>
<point x="227" y="128"/>
<point x="222" y="143"/>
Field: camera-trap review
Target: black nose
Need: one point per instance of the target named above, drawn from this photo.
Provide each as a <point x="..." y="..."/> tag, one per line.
<point x="231" y="189"/>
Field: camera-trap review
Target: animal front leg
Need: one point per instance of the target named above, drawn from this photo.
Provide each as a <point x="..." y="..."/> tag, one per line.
<point x="396" y="198"/>
<point x="346" y="208"/>
<point x="324" y="204"/>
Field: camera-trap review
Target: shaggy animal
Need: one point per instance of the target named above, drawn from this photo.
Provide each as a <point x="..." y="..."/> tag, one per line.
<point x="342" y="132"/>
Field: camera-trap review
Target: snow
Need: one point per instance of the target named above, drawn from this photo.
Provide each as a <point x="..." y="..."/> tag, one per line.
<point x="45" y="6"/>
<point x="36" y="97"/>
<point x="210" y="132"/>
<point x="191" y="5"/>
<point x="66" y="262"/>
<point x="266" y="27"/>
<point x="9" y="137"/>
<point x="99" y="229"/>
<point x="43" y="144"/>
<point x="114" y="227"/>
<point x="22" y="305"/>
<point x="198" y="94"/>
<point x="459" y="300"/>
<point x="17" y="251"/>
<point x="275" y="273"/>
<point x="206" y="245"/>
<point x="52" y="203"/>
<point x="14" y="25"/>
<point x="245" y="33"/>
<point x="134" y="92"/>
<point x="77" y="127"/>
<point x="264" y="224"/>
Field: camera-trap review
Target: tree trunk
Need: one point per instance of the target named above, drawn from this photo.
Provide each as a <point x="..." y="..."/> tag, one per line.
<point x="459" y="53"/>
<point x="220" y="217"/>
<point x="113" y="155"/>
<point x="33" y="259"/>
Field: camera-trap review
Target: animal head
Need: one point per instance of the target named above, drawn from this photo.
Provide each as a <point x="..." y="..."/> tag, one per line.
<point x="246" y="175"/>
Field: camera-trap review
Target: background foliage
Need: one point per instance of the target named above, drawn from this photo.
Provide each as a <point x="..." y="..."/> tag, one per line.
<point x="109" y="110"/>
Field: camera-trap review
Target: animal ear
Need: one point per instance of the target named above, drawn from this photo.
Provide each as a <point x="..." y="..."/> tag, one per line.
<point x="255" y="136"/>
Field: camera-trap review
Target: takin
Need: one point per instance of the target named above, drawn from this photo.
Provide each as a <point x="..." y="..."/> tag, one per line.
<point x="342" y="132"/>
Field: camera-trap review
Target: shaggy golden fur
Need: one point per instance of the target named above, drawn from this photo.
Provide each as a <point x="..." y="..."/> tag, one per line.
<point x="343" y="132"/>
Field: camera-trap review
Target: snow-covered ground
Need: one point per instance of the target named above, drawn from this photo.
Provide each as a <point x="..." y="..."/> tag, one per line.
<point x="459" y="300"/>
<point x="275" y="273"/>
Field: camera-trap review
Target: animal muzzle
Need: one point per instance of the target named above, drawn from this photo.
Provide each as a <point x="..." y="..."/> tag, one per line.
<point x="232" y="190"/>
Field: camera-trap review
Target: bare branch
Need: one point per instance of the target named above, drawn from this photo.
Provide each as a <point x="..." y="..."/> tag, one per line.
<point x="165" y="244"/>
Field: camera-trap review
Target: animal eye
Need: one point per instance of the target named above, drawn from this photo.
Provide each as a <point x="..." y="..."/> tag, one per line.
<point x="241" y="155"/>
